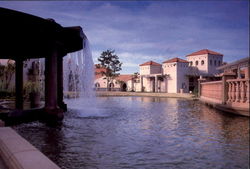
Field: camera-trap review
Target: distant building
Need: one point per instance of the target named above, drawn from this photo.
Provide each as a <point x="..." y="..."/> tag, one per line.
<point x="119" y="83"/>
<point x="178" y="75"/>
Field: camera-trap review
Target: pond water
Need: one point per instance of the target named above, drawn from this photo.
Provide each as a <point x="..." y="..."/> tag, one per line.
<point x="144" y="133"/>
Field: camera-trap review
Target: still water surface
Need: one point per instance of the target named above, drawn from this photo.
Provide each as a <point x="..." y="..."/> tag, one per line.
<point x="144" y="133"/>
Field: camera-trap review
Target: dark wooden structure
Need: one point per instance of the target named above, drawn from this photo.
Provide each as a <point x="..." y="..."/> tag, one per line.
<point x="25" y="36"/>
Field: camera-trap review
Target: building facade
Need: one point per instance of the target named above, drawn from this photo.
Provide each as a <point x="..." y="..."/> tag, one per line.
<point x="177" y="75"/>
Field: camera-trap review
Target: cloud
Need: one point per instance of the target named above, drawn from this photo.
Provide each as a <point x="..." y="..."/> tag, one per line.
<point x="142" y="31"/>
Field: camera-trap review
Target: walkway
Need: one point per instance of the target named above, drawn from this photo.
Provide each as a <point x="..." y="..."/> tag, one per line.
<point x="173" y="95"/>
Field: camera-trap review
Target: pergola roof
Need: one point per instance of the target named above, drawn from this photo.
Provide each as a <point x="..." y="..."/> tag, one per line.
<point x="27" y="36"/>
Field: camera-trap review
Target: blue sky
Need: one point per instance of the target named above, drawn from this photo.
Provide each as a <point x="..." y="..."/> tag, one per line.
<point x="140" y="31"/>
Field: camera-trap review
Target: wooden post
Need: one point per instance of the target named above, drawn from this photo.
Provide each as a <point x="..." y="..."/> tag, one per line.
<point x="51" y="81"/>
<point x="19" y="84"/>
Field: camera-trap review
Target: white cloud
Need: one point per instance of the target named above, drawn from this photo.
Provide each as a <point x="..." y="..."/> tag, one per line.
<point x="156" y="31"/>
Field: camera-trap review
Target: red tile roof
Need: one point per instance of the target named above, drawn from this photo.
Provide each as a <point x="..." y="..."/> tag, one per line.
<point x="124" y="78"/>
<point x="176" y="60"/>
<point x="150" y="63"/>
<point x="205" y="51"/>
<point x="98" y="71"/>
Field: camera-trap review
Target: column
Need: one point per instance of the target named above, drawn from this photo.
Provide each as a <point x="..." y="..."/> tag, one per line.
<point x="242" y="92"/>
<point x="237" y="92"/>
<point x="238" y="73"/>
<point x="166" y="84"/>
<point x="247" y="73"/>
<point x="19" y="84"/>
<point x="229" y="91"/>
<point x="224" y="93"/>
<point x="233" y="92"/>
<point x="156" y="84"/>
<point x="142" y="84"/>
<point x="248" y="91"/>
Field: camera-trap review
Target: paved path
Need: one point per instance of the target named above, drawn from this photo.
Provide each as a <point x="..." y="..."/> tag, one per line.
<point x="174" y="95"/>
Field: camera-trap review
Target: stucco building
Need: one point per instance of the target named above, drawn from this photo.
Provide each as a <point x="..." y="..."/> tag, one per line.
<point x="175" y="75"/>
<point x="178" y="75"/>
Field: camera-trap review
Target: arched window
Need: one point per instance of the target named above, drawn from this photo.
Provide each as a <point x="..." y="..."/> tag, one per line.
<point x="196" y="63"/>
<point x="219" y="63"/>
<point x="191" y="63"/>
<point x="215" y="63"/>
<point x="111" y="85"/>
<point x="97" y="85"/>
<point x="202" y="62"/>
<point x="211" y="62"/>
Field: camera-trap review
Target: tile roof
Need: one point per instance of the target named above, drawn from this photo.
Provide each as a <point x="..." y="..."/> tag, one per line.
<point x="176" y="60"/>
<point x="98" y="71"/>
<point x="124" y="78"/>
<point x="205" y="51"/>
<point x="150" y="63"/>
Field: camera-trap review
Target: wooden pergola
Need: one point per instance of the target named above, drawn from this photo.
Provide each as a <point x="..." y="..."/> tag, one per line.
<point x="25" y="36"/>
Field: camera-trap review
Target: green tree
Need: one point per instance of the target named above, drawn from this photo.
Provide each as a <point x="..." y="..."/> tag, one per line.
<point x="110" y="61"/>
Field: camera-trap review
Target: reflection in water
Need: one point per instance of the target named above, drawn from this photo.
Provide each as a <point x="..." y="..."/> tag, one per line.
<point x="145" y="132"/>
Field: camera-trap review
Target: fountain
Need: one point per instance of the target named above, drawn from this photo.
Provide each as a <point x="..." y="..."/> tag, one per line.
<point x="79" y="78"/>
<point x="79" y="82"/>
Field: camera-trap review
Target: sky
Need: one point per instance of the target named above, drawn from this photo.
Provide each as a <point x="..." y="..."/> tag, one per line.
<point x="159" y="30"/>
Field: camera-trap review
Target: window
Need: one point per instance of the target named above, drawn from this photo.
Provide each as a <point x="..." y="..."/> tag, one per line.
<point x="219" y="63"/>
<point x="97" y="85"/>
<point x="215" y="63"/>
<point x="211" y="62"/>
<point x="196" y="63"/>
<point x="202" y="62"/>
<point x="191" y="63"/>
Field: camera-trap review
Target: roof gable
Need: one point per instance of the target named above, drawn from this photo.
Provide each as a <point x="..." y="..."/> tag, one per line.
<point x="150" y="63"/>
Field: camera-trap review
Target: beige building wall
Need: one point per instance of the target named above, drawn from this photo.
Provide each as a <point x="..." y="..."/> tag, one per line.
<point x="206" y="63"/>
<point x="182" y="79"/>
<point x="145" y="70"/>
<point x="214" y="61"/>
<point x="171" y="81"/>
<point x="177" y="78"/>
<point x="147" y="84"/>
<point x="199" y="61"/>
<point x="155" y="69"/>
<point x="150" y="69"/>
<point x="103" y="83"/>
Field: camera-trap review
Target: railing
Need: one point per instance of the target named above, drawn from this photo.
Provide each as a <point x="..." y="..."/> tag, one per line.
<point x="238" y="90"/>
<point x="212" y="90"/>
